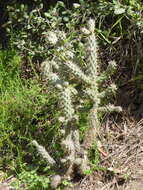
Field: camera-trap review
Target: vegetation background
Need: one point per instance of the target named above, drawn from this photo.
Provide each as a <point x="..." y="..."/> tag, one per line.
<point x="30" y="110"/>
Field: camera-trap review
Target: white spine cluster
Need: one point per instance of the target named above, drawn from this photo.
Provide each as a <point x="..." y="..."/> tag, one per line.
<point x="66" y="103"/>
<point x="52" y="38"/>
<point x="92" y="48"/>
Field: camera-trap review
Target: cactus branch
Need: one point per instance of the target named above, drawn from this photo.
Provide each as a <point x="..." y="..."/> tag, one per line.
<point x="42" y="151"/>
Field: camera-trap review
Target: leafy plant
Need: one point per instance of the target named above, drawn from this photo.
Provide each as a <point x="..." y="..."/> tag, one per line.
<point x="31" y="181"/>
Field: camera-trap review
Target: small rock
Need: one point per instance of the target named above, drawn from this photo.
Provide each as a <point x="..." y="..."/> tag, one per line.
<point x="55" y="181"/>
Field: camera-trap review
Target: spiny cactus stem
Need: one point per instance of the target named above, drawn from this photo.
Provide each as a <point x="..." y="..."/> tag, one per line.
<point x="76" y="71"/>
<point x="109" y="90"/>
<point x="68" y="145"/>
<point x="41" y="150"/>
<point x="55" y="73"/>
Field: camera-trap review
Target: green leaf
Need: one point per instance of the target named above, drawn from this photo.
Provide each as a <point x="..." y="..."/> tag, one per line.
<point x="87" y="172"/>
<point x="66" y="19"/>
<point x="47" y="15"/>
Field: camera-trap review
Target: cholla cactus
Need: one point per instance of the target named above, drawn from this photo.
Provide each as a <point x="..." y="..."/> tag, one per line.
<point x="76" y="154"/>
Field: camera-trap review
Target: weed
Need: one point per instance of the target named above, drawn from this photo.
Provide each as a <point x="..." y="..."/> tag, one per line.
<point x="31" y="181"/>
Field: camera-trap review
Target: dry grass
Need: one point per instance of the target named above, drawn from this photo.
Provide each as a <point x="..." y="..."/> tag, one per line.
<point x="122" y="140"/>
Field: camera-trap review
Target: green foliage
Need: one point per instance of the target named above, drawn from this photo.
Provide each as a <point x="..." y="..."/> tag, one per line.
<point x="28" y="28"/>
<point x="118" y="20"/>
<point x="26" y="110"/>
<point x="31" y="181"/>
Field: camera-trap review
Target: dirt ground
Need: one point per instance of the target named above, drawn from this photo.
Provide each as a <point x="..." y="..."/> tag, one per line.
<point x="122" y="148"/>
<point x="123" y="145"/>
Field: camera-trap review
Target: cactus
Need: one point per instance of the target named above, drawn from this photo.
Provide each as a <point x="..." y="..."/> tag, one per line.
<point x="76" y="154"/>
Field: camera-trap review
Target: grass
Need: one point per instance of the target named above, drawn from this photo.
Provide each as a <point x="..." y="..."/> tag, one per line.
<point x="26" y="113"/>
